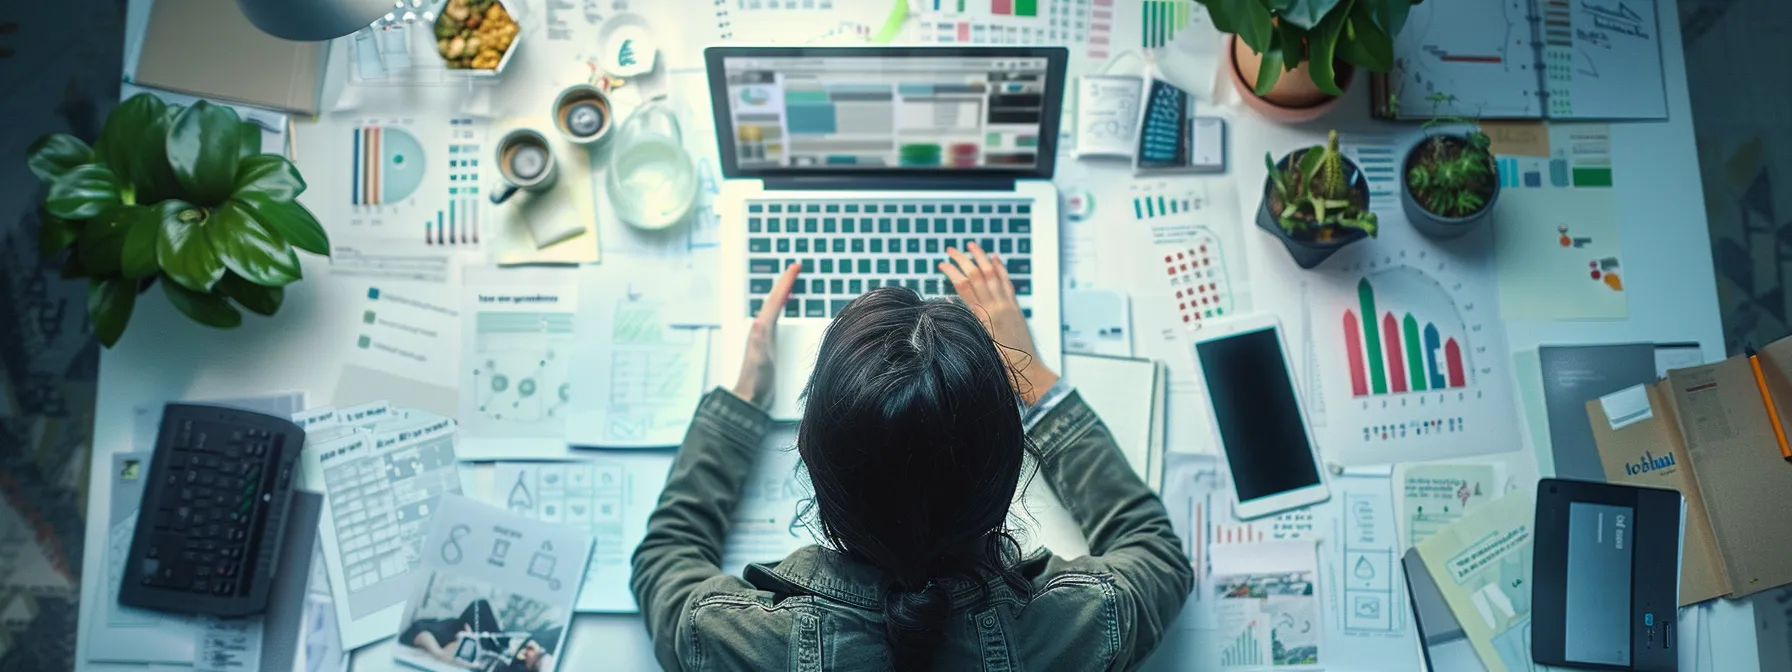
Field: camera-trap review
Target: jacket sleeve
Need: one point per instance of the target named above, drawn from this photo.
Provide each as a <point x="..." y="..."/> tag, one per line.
<point x="1129" y="533"/>
<point x="679" y="560"/>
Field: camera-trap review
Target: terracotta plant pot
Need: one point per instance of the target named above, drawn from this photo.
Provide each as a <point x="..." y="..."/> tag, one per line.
<point x="1308" y="253"/>
<point x="1434" y="225"/>
<point x="1294" y="99"/>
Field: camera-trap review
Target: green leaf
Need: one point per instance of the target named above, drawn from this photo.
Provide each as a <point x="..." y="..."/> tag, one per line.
<point x="249" y="249"/>
<point x="109" y="304"/>
<point x="1271" y="69"/>
<point x="1390" y="15"/>
<point x="1309" y="164"/>
<point x="212" y="310"/>
<point x="138" y="260"/>
<point x="1294" y="44"/>
<point x="291" y="220"/>
<point x="1322" y="45"/>
<point x="1248" y="19"/>
<point x="54" y="155"/>
<point x="270" y="176"/>
<point x="1364" y="43"/>
<point x="1279" y="5"/>
<point x="83" y="193"/>
<point x="1308" y="13"/>
<point x="248" y="140"/>
<point x="183" y="251"/>
<point x="260" y="299"/>
<point x="54" y="233"/>
<point x="128" y="132"/>
<point x="202" y="149"/>
<point x="101" y="245"/>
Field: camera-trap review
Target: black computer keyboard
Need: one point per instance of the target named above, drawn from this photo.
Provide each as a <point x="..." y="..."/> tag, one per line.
<point x="213" y="516"/>
<point x="848" y="247"/>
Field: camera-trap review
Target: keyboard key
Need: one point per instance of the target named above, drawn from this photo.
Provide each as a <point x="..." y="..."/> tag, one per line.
<point x="995" y="226"/>
<point x="771" y="225"/>
<point x="883" y="266"/>
<point x="839" y="245"/>
<point x="889" y="207"/>
<point x="864" y="266"/>
<point x="1026" y="313"/>
<point x="762" y="264"/>
<point x="793" y="308"/>
<point x="1023" y="287"/>
<point x="908" y="208"/>
<point x="894" y="246"/>
<point x="775" y="207"/>
<point x="821" y="244"/>
<point x="755" y="207"/>
<point x="812" y="207"/>
<point x="1006" y="245"/>
<point x="865" y="225"/>
<point x="802" y="245"/>
<point x="901" y="265"/>
<point x="784" y="245"/>
<point x="799" y="287"/>
<point x="1019" y="225"/>
<point x="977" y="225"/>
<point x="827" y="225"/>
<point x="914" y="246"/>
<point x="858" y="245"/>
<point x="836" y="286"/>
<point x="811" y="225"/>
<point x="808" y="265"/>
<point x="927" y="208"/>
<point x="833" y="207"/>
<point x="1004" y="209"/>
<point x="985" y="209"/>
<point x="883" y="225"/>
<point x="818" y="286"/>
<point x="1024" y="246"/>
<point x="815" y="308"/>
<point x="844" y="264"/>
<point x="958" y="225"/>
<point x="852" y="207"/>
<point x="987" y="244"/>
<point x="932" y="286"/>
<point x="1019" y="266"/>
<point x="759" y="244"/>
<point x="827" y="265"/>
<point x="855" y="286"/>
<point x="754" y="306"/>
<point x="873" y="283"/>
<point x="1024" y="209"/>
<point x="837" y="305"/>
<point x="877" y="244"/>
<point x="755" y="225"/>
<point x="912" y="284"/>
<point x="846" y="225"/>
<point x="902" y="225"/>
<point x="933" y="246"/>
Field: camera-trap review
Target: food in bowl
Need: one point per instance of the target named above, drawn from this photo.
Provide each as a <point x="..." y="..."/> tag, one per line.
<point x="474" y="34"/>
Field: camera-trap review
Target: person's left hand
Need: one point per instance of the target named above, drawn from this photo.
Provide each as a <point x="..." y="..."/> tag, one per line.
<point x="757" y="372"/>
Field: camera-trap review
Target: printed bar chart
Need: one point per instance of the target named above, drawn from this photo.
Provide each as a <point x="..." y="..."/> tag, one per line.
<point x="1243" y="651"/>
<point x="1379" y="361"/>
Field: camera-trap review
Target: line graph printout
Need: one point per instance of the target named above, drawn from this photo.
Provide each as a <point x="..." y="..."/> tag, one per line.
<point x="517" y="345"/>
<point x="609" y="498"/>
<point x="1482" y="53"/>
<point x="640" y="377"/>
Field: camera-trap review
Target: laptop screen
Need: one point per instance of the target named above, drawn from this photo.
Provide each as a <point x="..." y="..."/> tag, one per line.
<point x="904" y="111"/>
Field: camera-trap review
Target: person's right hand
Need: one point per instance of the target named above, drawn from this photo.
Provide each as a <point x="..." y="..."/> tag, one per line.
<point x="982" y="281"/>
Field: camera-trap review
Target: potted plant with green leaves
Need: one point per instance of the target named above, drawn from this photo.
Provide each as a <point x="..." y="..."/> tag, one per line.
<point x="179" y="194"/>
<point x="1452" y="181"/>
<point x="1316" y="201"/>
<point x="1291" y="60"/>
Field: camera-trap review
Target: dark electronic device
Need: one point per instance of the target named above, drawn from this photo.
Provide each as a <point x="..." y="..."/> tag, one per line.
<point x="1163" y="133"/>
<point x="214" y="509"/>
<point x="1606" y="576"/>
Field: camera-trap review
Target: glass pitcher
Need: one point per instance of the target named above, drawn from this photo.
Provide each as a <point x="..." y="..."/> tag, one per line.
<point x="651" y="181"/>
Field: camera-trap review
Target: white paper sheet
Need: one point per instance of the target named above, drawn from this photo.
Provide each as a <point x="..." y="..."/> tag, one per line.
<point x="517" y="346"/>
<point x="381" y="489"/>
<point x="508" y="579"/>
<point x="1432" y="496"/>
<point x="1275" y="582"/>
<point x="609" y="498"/>
<point x="639" y="378"/>
<point x="407" y="329"/>
<point x="1097" y="322"/>
<point x="768" y="523"/>
<point x="1107" y="115"/>
<point x="1558" y="255"/>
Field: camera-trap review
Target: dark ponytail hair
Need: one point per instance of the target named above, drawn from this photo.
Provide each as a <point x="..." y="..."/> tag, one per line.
<point x="913" y="440"/>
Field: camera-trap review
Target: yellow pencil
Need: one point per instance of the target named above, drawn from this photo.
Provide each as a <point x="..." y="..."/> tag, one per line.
<point x="1773" y="414"/>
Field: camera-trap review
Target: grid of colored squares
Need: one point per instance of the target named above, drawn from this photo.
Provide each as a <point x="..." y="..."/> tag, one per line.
<point x="1197" y="279"/>
<point x="1392" y="355"/>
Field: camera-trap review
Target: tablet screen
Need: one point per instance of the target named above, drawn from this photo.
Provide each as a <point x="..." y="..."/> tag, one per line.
<point x="1255" y="409"/>
<point x="1600" y="540"/>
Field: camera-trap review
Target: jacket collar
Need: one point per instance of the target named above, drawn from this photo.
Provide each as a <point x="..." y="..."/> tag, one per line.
<point x="820" y="571"/>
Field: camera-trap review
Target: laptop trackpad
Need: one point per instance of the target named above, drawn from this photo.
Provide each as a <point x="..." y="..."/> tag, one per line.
<point x="797" y="346"/>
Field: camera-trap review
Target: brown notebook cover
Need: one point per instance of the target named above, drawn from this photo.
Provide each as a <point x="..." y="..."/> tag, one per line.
<point x="207" y="48"/>
<point x="1649" y="453"/>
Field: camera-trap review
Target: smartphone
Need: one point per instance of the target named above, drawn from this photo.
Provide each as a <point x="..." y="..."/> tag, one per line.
<point x="1258" y="418"/>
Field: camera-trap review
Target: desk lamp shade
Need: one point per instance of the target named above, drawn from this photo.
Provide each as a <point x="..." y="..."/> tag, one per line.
<point x="312" y="20"/>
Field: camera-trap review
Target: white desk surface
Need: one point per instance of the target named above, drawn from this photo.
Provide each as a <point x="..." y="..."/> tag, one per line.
<point x="1666" y="250"/>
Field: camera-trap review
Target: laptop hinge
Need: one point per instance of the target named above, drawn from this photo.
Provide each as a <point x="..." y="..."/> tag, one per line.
<point x="886" y="183"/>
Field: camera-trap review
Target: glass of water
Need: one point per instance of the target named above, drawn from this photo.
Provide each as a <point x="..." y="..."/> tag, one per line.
<point x="651" y="181"/>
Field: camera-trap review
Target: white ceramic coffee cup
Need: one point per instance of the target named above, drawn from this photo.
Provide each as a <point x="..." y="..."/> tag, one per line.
<point x="525" y="162"/>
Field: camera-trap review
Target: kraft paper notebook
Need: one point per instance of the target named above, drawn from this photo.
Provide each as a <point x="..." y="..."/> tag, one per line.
<point x="207" y="48"/>
<point x="1705" y="431"/>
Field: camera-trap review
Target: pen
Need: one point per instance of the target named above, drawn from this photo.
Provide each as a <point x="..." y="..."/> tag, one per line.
<point x="1773" y="414"/>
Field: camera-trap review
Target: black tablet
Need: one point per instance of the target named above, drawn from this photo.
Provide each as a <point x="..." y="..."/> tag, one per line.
<point x="1606" y="576"/>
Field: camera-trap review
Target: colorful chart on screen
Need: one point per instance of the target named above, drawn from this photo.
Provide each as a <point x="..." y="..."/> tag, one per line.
<point x="1409" y="363"/>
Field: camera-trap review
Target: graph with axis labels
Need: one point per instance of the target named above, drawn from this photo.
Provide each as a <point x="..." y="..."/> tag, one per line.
<point x="519" y="382"/>
<point x="1409" y="361"/>
<point x="405" y="183"/>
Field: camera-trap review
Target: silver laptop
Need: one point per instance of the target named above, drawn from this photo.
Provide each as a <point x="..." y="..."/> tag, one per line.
<point x="864" y="164"/>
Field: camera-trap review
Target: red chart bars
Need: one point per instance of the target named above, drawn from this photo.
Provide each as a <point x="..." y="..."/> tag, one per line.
<point x="1394" y="354"/>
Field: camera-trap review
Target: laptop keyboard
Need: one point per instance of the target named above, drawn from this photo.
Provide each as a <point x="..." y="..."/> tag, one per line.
<point x="851" y="246"/>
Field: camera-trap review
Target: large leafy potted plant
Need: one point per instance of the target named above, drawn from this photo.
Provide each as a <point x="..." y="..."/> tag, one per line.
<point x="1316" y="201"/>
<point x="180" y="194"/>
<point x="1292" y="59"/>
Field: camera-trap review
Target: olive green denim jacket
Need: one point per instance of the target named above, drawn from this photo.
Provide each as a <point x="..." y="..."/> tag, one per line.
<point x="818" y="610"/>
